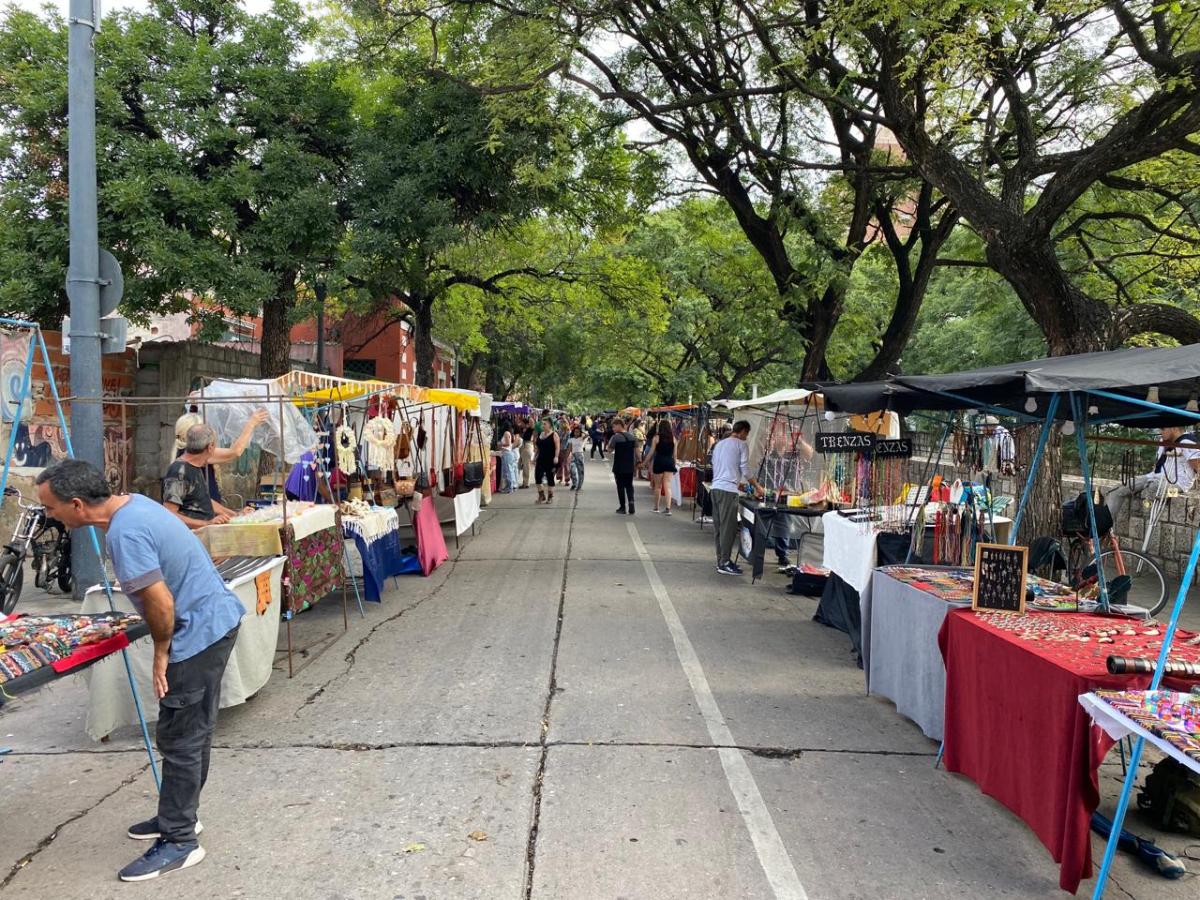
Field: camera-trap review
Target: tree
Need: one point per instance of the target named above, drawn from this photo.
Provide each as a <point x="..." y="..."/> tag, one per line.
<point x="1060" y="132"/>
<point x="219" y="158"/>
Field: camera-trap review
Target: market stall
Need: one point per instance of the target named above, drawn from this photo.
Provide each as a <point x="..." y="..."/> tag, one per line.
<point x="258" y="583"/>
<point x="35" y="650"/>
<point x="1013" y="677"/>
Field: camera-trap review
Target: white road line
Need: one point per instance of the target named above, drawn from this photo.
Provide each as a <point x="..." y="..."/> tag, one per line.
<point x="772" y="855"/>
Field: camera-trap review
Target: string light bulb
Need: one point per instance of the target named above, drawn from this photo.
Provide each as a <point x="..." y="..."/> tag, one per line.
<point x="1030" y="404"/>
<point x="1192" y="405"/>
<point x="1152" y="395"/>
<point x="1068" y="428"/>
<point x="1093" y="410"/>
<point x="829" y="415"/>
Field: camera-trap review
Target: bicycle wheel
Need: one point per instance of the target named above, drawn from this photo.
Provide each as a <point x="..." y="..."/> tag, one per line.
<point x="12" y="577"/>
<point x="66" y="581"/>
<point x="1147" y="587"/>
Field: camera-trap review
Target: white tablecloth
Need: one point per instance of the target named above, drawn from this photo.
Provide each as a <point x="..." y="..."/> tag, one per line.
<point x="850" y="549"/>
<point x="1117" y="726"/>
<point x="466" y="510"/>
<point x="110" y="705"/>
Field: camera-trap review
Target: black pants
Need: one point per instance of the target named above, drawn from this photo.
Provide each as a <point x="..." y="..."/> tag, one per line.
<point x="624" y="489"/>
<point x="187" y="718"/>
<point x="597" y="444"/>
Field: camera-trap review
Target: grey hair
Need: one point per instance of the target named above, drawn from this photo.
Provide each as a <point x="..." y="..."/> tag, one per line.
<point x="199" y="437"/>
<point x="71" y="478"/>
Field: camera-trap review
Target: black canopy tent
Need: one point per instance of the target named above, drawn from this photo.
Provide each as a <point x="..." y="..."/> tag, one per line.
<point x="1114" y="381"/>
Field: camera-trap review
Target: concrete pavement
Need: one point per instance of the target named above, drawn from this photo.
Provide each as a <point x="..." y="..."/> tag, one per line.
<point x="550" y="715"/>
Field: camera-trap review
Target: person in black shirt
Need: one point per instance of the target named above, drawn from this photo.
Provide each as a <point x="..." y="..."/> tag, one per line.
<point x="622" y="446"/>
<point x="185" y="485"/>
<point x="546" y="462"/>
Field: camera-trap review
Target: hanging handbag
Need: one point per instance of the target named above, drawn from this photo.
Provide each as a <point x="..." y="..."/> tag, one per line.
<point x="473" y="472"/>
<point x="452" y="474"/>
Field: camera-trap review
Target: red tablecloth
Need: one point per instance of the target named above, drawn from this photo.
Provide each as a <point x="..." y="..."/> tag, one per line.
<point x="89" y="652"/>
<point x="687" y="481"/>
<point x="1015" y="727"/>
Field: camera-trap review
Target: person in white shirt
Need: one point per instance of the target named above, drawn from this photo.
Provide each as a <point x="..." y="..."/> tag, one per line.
<point x="575" y="447"/>
<point x="731" y="471"/>
<point x="1178" y="464"/>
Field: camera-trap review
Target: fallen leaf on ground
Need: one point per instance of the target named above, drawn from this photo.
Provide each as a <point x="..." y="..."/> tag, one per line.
<point x="414" y="848"/>
<point x="478" y="835"/>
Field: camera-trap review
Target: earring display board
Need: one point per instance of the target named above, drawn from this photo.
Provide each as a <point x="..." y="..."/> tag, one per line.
<point x="1000" y="572"/>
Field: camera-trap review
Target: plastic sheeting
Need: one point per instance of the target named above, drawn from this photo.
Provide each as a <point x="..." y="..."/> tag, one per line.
<point x="229" y="418"/>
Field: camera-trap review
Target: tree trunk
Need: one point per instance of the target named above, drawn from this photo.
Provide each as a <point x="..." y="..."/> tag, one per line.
<point x="422" y="308"/>
<point x="819" y="323"/>
<point x="1071" y="321"/>
<point x="1043" y="509"/>
<point x="275" y="356"/>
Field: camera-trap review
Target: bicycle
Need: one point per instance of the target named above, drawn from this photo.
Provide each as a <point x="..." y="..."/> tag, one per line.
<point x="50" y="544"/>
<point x="1132" y="580"/>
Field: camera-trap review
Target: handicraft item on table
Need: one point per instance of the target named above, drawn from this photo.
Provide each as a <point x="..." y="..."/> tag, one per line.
<point x="31" y="642"/>
<point x="1169" y="715"/>
<point x="1000" y="572"/>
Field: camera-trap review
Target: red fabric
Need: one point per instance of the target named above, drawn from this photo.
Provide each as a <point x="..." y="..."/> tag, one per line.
<point x="1015" y="727"/>
<point x="687" y="481"/>
<point x="431" y="543"/>
<point x="88" y="652"/>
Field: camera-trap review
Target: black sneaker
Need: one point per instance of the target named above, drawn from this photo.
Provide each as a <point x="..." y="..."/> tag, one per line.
<point x="728" y="569"/>
<point x="621" y="511"/>
<point x="164" y="857"/>
<point x="148" y="830"/>
<point x="737" y="570"/>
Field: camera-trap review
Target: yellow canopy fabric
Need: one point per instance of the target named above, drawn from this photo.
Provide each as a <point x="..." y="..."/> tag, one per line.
<point x="463" y="401"/>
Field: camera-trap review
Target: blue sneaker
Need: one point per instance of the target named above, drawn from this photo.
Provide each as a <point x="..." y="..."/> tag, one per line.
<point x="737" y="570"/>
<point x="729" y="569"/>
<point x="148" y="830"/>
<point x="162" y="858"/>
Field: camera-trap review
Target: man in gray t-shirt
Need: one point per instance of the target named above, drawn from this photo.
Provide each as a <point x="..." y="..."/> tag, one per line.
<point x="193" y="617"/>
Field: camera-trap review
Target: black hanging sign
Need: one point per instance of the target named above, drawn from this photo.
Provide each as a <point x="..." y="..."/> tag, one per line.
<point x="1000" y="571"/>
<point x="846" y="442"/>
<point x="894" y="447"/>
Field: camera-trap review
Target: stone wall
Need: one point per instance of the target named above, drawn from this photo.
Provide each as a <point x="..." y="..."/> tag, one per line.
<point x="1170" y="544"/>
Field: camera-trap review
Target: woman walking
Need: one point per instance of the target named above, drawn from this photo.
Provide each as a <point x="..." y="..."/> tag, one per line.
<point x="575" y="446"/>
<point x="662" y="451"/>
<point x="548" y="449"/>
<point x="564" y="456"/>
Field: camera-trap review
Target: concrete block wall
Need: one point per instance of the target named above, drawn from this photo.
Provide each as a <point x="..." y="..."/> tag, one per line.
<point x="173" y="371"/>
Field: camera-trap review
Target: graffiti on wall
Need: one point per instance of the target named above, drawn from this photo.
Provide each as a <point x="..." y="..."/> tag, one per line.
<point x="39" y="444"/>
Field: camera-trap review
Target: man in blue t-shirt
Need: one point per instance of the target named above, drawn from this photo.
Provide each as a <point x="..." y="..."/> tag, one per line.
<point x="193" y="617"/>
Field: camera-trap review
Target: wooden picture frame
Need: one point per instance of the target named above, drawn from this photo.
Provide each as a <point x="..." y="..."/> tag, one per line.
<point x="1001" y="573"/>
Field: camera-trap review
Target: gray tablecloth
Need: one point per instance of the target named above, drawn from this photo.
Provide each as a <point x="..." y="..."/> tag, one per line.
<point x="900" y="652"/>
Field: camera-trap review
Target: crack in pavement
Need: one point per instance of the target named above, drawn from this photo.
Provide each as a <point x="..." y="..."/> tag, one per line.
<point x="49" y="839"/>
<point x="766" y="752"/>
<point x="351" y="654"/>
<point x="551" y="690"/>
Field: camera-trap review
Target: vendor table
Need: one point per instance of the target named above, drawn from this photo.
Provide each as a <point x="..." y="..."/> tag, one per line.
<point x="901" y="616"/>
<point x="1013" y="723"/>
<point x="899" y="649"/>
<point x="761" y="516"/>
<point x="40" y="666"/>
<point x="851" y="552"/>
<point x="1123" y="713"/>
<point x="377" y="537"/>
<point x="257" y="583"/>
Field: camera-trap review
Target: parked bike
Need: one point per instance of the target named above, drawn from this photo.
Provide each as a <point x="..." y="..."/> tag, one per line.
<point x="50" y="544"/>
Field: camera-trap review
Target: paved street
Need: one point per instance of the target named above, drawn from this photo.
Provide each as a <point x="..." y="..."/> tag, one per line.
<point x="576" y="706"/>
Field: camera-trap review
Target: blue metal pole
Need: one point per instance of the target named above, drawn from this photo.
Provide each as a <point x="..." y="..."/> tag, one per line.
<point x="1135" y="757"/>
<point x="1077" y="414"/>
<point x="1134" y="401"/>
<point x="917" y="500"/>
<point x="12" y="432"/>
<point x="1043" y="439"/>
<point x="972" y="403"/>
<point x="137" y="701"/>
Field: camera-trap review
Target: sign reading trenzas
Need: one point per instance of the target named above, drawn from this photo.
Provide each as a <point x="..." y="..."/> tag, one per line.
<point x="847" y="442"/>
<point x="861" y="442"/>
